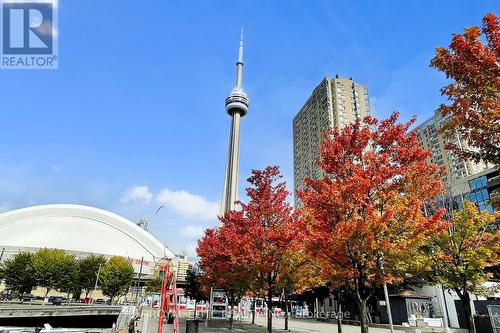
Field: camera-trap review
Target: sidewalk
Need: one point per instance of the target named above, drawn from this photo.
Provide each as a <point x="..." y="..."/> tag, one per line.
<point x="295" y="326"/>
<point x="312" y="326"/>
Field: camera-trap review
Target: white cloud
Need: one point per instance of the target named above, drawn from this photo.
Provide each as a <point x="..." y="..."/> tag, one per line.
<point x="140" y="194"/>
<point x="188" y="205"/>
<point x="194" y="231"/>
<point x="190" y="250"/>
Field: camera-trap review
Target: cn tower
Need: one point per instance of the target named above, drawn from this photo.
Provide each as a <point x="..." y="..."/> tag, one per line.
<point x="236" y="106"/>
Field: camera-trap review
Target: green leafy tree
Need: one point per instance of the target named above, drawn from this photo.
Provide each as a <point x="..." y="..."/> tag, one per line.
<point x="116" y="277"/>
<point x="87" y="272"/>
<point x="462" y="255"/>
<point x="154" y="285"/>
<point x="67" y="274"/>
<point x="18" y="272"/>
<point x="50" y="268"/>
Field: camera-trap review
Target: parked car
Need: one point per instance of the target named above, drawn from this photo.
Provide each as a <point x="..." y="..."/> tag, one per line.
<point x="26" y="298"/>
<point x="99" y="301"/>
<point x="6" y="296"/>
<point x="55" y="300"/>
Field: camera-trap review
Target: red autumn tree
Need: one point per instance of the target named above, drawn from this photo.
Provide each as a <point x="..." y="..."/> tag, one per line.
<point x="253" y="245"/>
<point x="474" y="112"/>
<point x="223" y="261"/>
<point x="367" y="209"/>
<point x="271" y="232"/>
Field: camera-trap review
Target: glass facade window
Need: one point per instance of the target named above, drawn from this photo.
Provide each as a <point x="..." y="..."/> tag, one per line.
<point x="479" y="194"/>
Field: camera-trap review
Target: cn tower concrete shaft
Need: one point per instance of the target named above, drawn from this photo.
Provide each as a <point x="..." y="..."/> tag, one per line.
<point x="236" y="106"/>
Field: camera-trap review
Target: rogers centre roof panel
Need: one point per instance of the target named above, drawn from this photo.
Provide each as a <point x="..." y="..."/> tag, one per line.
<point x="78" y="228"/>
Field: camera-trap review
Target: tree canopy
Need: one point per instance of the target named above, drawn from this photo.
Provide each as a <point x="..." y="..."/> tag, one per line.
<point x="474" y="109"/>
<point x="461" y="255"/>
<point x="154" y="285"/>
<point x="87" y="271"/>
<point x="367" y="211"/>
<point x="51" y="267"/>
<point x="116" y="277"/>
<point x="251" y="248"/>
<point x="19" y="273"/>
<point x="57" y="270"/>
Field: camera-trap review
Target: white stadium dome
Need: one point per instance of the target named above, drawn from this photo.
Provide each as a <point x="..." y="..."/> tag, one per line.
<point x="79" y="229"/>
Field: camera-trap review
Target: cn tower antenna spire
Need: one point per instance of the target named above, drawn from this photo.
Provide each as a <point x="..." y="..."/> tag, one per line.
<point x="236" y="106"/>
<point x="239" y="63"/>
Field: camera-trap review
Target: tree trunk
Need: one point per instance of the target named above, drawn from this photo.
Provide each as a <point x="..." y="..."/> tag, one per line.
<point x="231" y="317"/>
<point x="469" y="318"/>
<point x="364" y="316"/>
<point x="270" y="310"/>
<point x="253" y="309"/>
<point x="194" y="315"/>
<point x="45" y="297"/>
<point x="286" y="311"/>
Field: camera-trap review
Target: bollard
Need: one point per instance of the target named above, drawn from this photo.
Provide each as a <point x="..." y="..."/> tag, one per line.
<point x="192" y="326"/>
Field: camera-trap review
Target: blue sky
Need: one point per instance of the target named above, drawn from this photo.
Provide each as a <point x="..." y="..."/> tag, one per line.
<point x="134" y="116"/>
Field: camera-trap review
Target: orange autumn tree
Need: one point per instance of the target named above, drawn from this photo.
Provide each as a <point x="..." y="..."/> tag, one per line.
<point x="223" y="261"/>
<point x="367" y="209"/>
<point x="474" y="112"/>
<point x="461" y="255"/>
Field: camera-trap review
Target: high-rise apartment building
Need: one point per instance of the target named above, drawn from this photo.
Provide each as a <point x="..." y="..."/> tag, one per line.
<point x="182" y="267"/>
<point x="431" y="139"/>
<point x="334" y="103"/>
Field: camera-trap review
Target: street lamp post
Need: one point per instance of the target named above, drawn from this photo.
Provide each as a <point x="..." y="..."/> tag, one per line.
<point x="96" y="280"/>
<point x="139" y="282"/>
<point x="386" y="294"/>
<point x="440" y="290"/>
